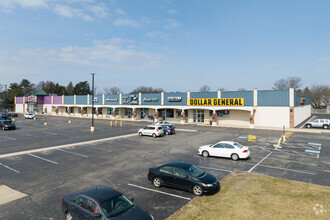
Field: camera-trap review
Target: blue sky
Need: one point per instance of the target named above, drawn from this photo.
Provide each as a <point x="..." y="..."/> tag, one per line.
<point x="175" y="45"/>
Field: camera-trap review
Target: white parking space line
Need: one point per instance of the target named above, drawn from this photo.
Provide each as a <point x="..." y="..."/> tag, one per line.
<point x="50" y="133"/>
<point x="280" y="168"/>
<point x="186" y="130"/>
<point x="82" y="155"/>
<point x="211" y="168"/>
<point x="93" y="147"/>
<point x="41" y="158"/>
<point x="66" y="145"/>
<point x="169" y="194"/>
<point x="16" y="171"/>
<point x="260" y="162"/>
<point x="9" y="138"/>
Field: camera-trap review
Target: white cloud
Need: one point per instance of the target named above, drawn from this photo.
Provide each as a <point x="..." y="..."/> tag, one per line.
<point x="324" y="59"/>
<point x="9" y="5"/>
<point x="172" y="11"/>
<point x="120" y="11"/>
<point x="157" y="34"/>
<point x="99" y="10"/>
<point x="69" y="12"/>
<point x="172" y="23"/>
<point x="125" y="22"/>
<point x="111" y="54"/>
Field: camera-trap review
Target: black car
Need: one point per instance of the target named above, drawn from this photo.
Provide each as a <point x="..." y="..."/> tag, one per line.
<point x="184" y="176"/>
<point x="12" y="114"/>
<point x="7" y="124"/>
<point x="101" y="203"/>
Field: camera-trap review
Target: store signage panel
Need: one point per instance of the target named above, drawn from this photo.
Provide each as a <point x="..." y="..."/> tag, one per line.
<point x="150" y="99"/>
<point x="112" y="100"/>
<point x="32" y="98"/>
<point x="131" y="99"/>
<point x="217" y="102"/>
<point x="174" y="99"/>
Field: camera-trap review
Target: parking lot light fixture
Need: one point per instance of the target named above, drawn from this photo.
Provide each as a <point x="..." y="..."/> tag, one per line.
<point x="92" y="127"/>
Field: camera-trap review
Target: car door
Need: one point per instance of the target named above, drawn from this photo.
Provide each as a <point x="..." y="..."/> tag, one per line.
<point x="315" y="123"/>
<point x="322" y="122"/>
<point x="146" y="131"/>
<point x="93" y="210"/>
<point x="228" y="150"/>
<point x="181" y="179"/>
<point x="78" y="207"/>
<point x="166" y="174"/>
<point x="218" y="150"/>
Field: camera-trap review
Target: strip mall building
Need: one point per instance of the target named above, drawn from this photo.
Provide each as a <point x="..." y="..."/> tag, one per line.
<point x="263" y="108"/>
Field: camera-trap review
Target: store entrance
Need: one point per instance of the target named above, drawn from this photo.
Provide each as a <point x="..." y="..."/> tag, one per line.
<point x="198" y="115"/>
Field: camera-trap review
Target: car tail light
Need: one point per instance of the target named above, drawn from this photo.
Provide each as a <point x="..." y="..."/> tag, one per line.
<point x="62" y="201"/>
<point x="148" y="172"/>
<point x="245" y="151"/>
<point x="169" y="128"/>
<point x="157" y="129"/>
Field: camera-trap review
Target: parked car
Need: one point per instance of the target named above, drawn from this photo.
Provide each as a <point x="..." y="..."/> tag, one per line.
<point x="162" y="123"/>
<point x="184" y="176"/>
<point x="151" y="130"/>
<point x="101" y="203"/>
<point x="228" y="149"/>
<point x="168" y="129"/>
<point x="12" y="114"/>
<point x="3" y="115"/>
<point x="319" y="123"/>
<point x="7" y="124"/>
<point x="29" y="115"/>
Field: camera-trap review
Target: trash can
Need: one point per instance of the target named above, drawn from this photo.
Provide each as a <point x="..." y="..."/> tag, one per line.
<point x="207" y="121"/>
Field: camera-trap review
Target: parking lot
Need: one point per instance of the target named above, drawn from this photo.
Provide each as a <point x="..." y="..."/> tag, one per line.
<point x="117" y="157"/>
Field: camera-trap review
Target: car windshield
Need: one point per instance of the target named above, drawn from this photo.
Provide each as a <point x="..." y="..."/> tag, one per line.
<point x="195" y="171"/>
<point x="7" y="122"/>
<point x="115" y="206"/>
<point x="238" y="145"/>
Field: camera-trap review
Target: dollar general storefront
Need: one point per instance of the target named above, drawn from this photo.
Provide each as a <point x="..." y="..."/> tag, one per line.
<point x="266" y="108"/>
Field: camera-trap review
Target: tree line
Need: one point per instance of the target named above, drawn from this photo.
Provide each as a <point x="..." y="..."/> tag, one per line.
<point x="319" y="94"/>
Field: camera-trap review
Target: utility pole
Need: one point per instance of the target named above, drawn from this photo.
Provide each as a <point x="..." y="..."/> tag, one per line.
<point x="92" y="128"/>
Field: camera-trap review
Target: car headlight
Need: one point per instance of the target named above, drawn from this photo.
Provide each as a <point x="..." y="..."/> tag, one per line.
<point x="207" y="185"/>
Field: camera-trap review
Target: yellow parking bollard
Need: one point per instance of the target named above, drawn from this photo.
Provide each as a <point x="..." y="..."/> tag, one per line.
<point x="110" y="123"/>
<point x="45" y="123"/>
<point x="69" y="121"/>
<point x="116" y="123"/>
<point x="121" y="123"/>
<point x="34" y="118"/>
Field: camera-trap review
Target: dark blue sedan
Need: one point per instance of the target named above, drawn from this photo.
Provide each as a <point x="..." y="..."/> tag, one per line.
<point x="168" y="129"/>
<point x="101" y="203"/>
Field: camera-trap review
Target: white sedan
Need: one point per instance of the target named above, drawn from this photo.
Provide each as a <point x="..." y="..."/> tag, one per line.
<point x="227" y="149"/>
<point x="29" y="115"/>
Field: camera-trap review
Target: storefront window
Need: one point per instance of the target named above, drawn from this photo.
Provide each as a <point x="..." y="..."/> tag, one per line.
<point x="198" y="115"/>
<point x="85" y="110"/>
<point x="169" y="113"/>
<point x="100" y="111"/>
<point x="223" y="113"/>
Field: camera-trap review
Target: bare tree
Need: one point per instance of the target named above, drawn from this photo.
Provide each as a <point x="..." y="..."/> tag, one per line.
<point x="320" y="95"/>
<point x="290" y="82"/>
<point x="204" y="88"/>
<point x="241" y="89"/>
<point x="144" y="89"/>
<point x="222" y="89"/>
<point x="112" y="91"/>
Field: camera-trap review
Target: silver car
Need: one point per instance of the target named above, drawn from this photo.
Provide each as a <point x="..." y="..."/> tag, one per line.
<point x="29" y="115"/>
<point x="151" y="130"/>
<point x="319" y="123"/>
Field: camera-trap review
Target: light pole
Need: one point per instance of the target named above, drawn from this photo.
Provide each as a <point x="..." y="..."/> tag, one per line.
<point x="92" y="128"/>
<point x="5" y="105"/>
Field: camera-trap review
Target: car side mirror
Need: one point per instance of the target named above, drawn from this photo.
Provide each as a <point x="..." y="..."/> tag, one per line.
<point x="132" y="199"/>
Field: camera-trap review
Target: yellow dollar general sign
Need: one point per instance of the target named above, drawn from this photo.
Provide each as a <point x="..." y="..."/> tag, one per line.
<point x="217" y="102"/>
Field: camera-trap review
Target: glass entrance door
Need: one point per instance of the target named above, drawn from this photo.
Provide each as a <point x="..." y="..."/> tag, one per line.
<point x="198" y="115"/>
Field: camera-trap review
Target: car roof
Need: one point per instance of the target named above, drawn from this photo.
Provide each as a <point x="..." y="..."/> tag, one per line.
<point x="178" y="164"/>
<point x="100" y="193"/>
<point x="226" y="142"/>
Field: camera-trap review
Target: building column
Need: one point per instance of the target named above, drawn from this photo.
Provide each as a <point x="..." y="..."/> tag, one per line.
<point x="156" y="115"/>
<point x="133" y="114"/>
<point x="183" y="117"/>
<point x="96" y="112"/>
<point x="214" y="118"/>
<point x="251" y="119"/>
<point x="68" y="110"/>
<point x="37" y="110"/>
<point x="113" y="113"/>
<point x="56" y="110"/>
<point x="81" y="111"/>
<point x="45" y="110"/>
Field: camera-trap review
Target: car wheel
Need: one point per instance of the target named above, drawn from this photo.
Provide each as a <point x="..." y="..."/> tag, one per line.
<point x="234" y="157"/>
<point x="68" y="215"/>
<point x="197" y="190"/>
<point x="308" y="126"/>
<point x="154" y="135"/>
<point x="325" y="126"/>
<point x="205" y="153"/>
<point x="157" y="182"/>
<point x="140" y="134"/>
<point x="166" y="133"/>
